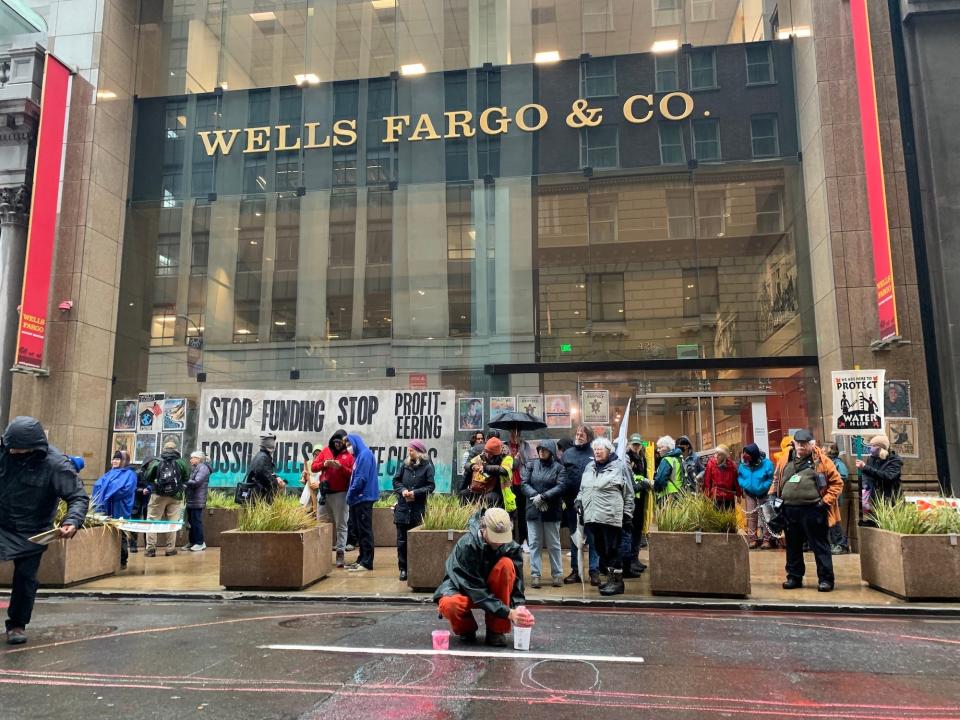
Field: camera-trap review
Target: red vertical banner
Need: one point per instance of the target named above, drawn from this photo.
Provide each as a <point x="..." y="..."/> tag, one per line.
<point x="873" y="164"/>
<point x="41" y="234"/>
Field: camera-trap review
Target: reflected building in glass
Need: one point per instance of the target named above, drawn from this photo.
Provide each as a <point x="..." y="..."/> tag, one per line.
<point x="660" y="199"/>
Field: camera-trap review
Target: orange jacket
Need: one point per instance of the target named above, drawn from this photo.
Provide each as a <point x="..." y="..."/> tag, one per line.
<point x="821" y="464"/>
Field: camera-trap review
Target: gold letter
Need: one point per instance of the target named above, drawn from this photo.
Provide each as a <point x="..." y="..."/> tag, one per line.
<point x="665" y="106"/>
<point x="258" y="139"/>
<point x="346" y="129"/>
<point x="501" y="124"/>
<point x="219" y="143"/>
<point x="453" y="125"/>
<point x="312" y="137"/>
<point x="628" y="109"/>
<point x="395" y="125"/>
<point x="282" y="141"/>
<point x="522" y="123"/>
<point x="424" y="125"/>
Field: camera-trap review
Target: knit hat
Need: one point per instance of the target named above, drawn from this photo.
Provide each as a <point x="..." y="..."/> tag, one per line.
<point x="564" y="444"/>
<point x="497" y="523"/>
<point x="493" y="446"/>
<point x="118" y="455"/>
<point x="418" y="446"/>
<point x="753" y="450"/>
<point x="881" y="440"/>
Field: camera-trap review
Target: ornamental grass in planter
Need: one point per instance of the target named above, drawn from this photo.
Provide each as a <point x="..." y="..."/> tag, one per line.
<point x="913" y="552"/>
<point x="697" y="549"/>
<point x="384" y="531"/>
<point x="429" y="545"/>
<point x="93" y="552"/>
<point x="276" y="545"/>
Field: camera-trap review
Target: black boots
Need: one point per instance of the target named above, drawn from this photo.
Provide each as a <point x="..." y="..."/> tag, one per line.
<point x="614" y="584"/>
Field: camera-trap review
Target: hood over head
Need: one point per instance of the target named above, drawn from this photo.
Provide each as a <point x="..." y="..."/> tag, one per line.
<point x="339" y="434"/>
<point x="550" y="446"/>
<point x="357" y="443"/>
<point x="25" y="433"/>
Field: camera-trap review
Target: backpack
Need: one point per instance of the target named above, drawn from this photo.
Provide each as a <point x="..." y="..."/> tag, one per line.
<point x="169" y="480"/>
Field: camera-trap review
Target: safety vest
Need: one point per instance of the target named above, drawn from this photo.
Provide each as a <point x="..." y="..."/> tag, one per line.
<point x="675" y="483"/>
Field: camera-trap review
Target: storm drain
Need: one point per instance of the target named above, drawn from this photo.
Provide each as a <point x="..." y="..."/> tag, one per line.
<point x="328" y="622"/>
<point x="62" y="633"/>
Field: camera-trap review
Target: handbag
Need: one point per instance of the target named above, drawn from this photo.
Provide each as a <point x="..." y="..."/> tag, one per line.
<point x="773" y="515"/>
<point x="244" y="492"/>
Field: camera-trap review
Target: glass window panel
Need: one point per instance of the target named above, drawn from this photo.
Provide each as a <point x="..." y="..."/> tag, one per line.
<point x="759" y="63"/>
<point x="606" y="299"/>
<point x="598" y="77"/>
<point x="702" y="10"/>
<point x="603" y="218"/>
<point x="671" y="144"/>
<point x="667" y="12"/>
<point x="598" y="147"/>
<point x="597" y="16"/>
<point x="703" y="70"/>
<point x="668" y="76"/>
<point x="706" y="140"/>
<point x="764" y="137"/>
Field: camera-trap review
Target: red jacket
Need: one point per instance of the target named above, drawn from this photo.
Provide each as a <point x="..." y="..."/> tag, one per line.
<point x="338" y="478"/>
<point x="720" y="483"/>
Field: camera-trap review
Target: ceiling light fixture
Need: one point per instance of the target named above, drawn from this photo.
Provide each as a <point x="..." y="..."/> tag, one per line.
<point x="665" y="46"/>
<point x="307" y="79"/>
<point x="267" y="16"/>
<point x="799" y="31"/>
<point x="383" y="4"/>
<point x="547" y="56"/>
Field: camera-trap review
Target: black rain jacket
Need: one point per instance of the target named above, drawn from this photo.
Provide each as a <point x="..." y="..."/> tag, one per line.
<point x="471" y="562"/>
<point x="31" y="487"/>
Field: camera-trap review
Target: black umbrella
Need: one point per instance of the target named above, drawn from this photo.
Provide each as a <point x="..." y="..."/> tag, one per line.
<point x="512" y="420"/>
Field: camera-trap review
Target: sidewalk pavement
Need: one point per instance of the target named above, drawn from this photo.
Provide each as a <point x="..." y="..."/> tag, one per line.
<point x="196" y="575"/>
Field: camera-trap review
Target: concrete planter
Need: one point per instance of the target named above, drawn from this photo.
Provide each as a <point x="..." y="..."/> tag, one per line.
<point x="275" y="560"/>
<point x="384" y="531"/>
<point x="91" y="553"/>
<point x="719" y="564"/>
<point x="427" y="552"/>
<point x="913" y="567"/>
<point x="215" y="522"/>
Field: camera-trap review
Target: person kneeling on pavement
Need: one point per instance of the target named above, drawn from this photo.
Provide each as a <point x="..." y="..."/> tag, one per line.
<point x="485" y="570"/>
<point x="809" y="484"/>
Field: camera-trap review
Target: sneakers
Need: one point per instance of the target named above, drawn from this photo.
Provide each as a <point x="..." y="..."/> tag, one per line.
<point x="535" y="582"/>
<point x="792" y="583"/>
<point x="133" y="549"/>
<point x="572" y="578"/>
<point x="526" y="548"/>
<point x="350" y="548"/>
<point x="496" y="639"/>
<point x="151" y="552"/>
<point x="340" y="560"/>
<point x="838" y="550"/>
<point x="357" y="567"/>
<point x="403" y="575"/>
<point x="824" y="586"/>
<point x="558" y="581"/>
<point x="198" y="548"/>
<point x="16" y="636"/>
<point x="168" y="553"/>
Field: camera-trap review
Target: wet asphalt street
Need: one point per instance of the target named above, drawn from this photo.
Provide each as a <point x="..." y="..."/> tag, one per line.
<point x="147" y="659"/>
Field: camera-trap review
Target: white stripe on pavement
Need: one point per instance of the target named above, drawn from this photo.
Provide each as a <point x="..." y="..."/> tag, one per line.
<point x="458" y="653"/>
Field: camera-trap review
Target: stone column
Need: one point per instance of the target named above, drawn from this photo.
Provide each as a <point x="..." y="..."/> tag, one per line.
<point x="13" y="250"/>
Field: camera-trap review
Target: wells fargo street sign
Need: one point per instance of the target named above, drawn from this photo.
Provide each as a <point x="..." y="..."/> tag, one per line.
<point x="497" y="120"/>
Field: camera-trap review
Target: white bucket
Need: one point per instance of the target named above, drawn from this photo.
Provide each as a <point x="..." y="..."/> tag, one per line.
<point x="521" y="637"/>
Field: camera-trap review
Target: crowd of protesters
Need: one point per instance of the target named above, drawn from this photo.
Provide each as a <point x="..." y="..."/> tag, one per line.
<point x="603" y="500"/>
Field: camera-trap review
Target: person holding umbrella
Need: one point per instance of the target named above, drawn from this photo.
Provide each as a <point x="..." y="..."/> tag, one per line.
<point x="522" y="453"/>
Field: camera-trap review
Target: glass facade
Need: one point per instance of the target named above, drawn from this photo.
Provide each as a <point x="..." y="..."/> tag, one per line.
<point x="347" y="194"/>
